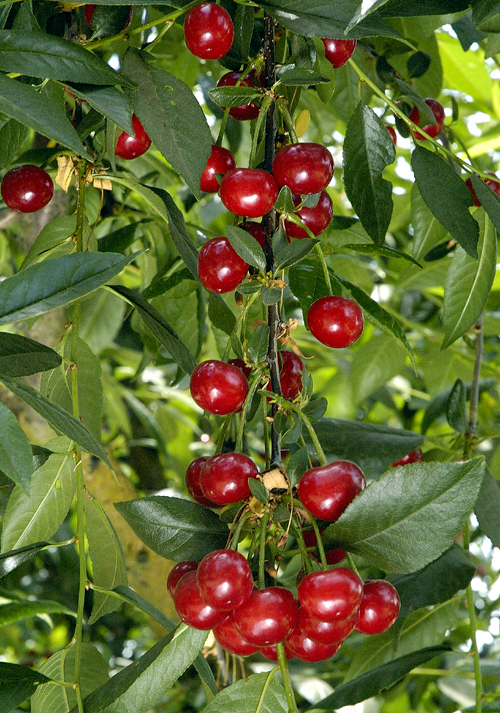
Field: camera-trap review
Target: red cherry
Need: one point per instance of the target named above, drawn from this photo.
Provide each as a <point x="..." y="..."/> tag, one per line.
<point x="270" y="652"/>
<point x="332" y="556"/>
<point x="89" y="13"/>
<point x="379" y="607"/>
<point x="415" y="456"/>
<point x="128" y="146"/>
<point x="326" y="632"/>
<point x="326" y="491"/>
<point x="431" y="129"/>
<point x="177" y="572"/>
<point x="217" y="387"/>
<point x="225" y="579"/>
<point x="267" y="617"/>
<point x="27" y="189"/>
<point x="335" y="321"/>
<point x="291" y="368"/>
<point x="224" y="477"/>
<point x="392" y="132"/>
<point x="193" y="482"/>
<point x="338" y="51"/>
<point x="221" y="161"/>
<point x="305" y="649"/>
<point x="227" y="636"/>
<point x="220" y="268"/>
<point x="249" y="192"/>
<point x="257" y="231"/>
<point x="304" y="168"/>
<point x="245" y="112"/>
<point x="240" y="364"/>
<point x="331" y="595"/>
<point x="317" y="219"/>
<point x="190" y="606"/>
<point x="208" y="31"/>
<point x="494" y="185"/>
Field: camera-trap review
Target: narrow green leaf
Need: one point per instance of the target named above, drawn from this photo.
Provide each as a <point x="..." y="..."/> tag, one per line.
<point x="27" y="609"/>
<point x="259" y="490"/>
<point x="297" y="465"/>
<point x="108" y="101"/>
<point x="374" y="364"/>
<point x="488" y="507"/>
<point x="12" y="135"/>
<point x="17" y="683"/>
<point x="486" y="15"/>
<point x="368" y="149"/>
<point x="251" y="694"/>
<point x="119" y="240"/>
<point x="446" y="196"/>
<point x="106" y="555"/>
<point x="158" y="325"/>
<point x="293" y="252"/>
<point x="301" y="77"/>
<point x="161" y="285"/>
<point x="54" y="283"/>
<point x="233" y="96"/>
<point x="56" y="233"/>
<point x="219" y="313"/>
<point x="385" y="521"/>
<point x="488" y="199"/>
<point x="172" y="117"/>
<point x="456" y="411"/>
<point x="468" y="283"/>
<point x="133" y="598"/>
<point x="427" y="230"/>
<point x="380" y="250"/>
<point x="14" y="558"/>
<point x="439" y="405"/>
<point x="16" y="461"/>
<point x="258" y="343"/>
<point x="246" y="246"/>
<point x="174" y="528"/>
<point x="307" y="283"/>
<point x="60" y="420"/>
<point x="37" y="516"/>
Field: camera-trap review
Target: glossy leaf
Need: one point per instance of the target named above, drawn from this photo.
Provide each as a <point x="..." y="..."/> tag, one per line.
<point x="489" y="200"/>
<point x="16" y="461"/>
<point x="27" y="609"/>
<point x="106" y="555"/>
<point x="439" y="405"/>
<point x="488" y="507"/>
<point x="257" y="693"/>
<point x="246" y="246"/>
<point x="368" y="149"/>
<point x="301" y="76"/>
<point x="174" y="528"/>
<point x="257" y="344"/>
<point x="233" y="96"/>
<point x="374" y="364"/>
<point x="307" y="282"/>
<point x="31" y="518"/>
<point x="297" y="465"/>
<point x="12" y="135"/>
<point x="294" y="252"/>
<point x="108" y="101"/>
<point x="456" y="411"/>
<point x="14" y="558"/>
<point x="58" y="232"/>
<point x="171" y="116"/>
<point x="385" y="521"/>
<point x="446" y="196"/>
<point x="427" y="230"/>
<point x="380" y="250"/>
<point x="17" y="683"/>
<point x="468" y="283"/>
<point x="50" y="284"/>
<point x="219" y="313"/>
<point x="60" y="420"/>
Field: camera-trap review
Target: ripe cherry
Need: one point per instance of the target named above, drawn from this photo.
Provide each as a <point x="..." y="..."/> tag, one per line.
<point x="326" y="632"/>
<point x="193" y="482"/>
<point x="89" y="14"/>
<point x="332" y="556"/>
<point x="270" y="652"/>
<point x="208" y="31"/>
<point x="431" y="129"/>
<point x="415" y="456"/>
<point x="305" y="649"/>
<point x="326" y="491"/>
<point x="220" y="268"/>
<point x="494" y="185"/>
<point x="257" y="231"/>
<point x="331" y="595"/>
<point x="317" y="219"/>
<point x="245" y="112"/>
<point x="249" y="192"/>
<point x="225" y="579"/>
<point x="338" y="51"/>
<point x="128" y="146"/>
<point x="224" y="477"/>
<point x="240" y="364"/>
<point x="305" y="168"/>
<point x="291" y="368"/>
<point x="379" y="607"/>
<point x="335" y="321"/>
<point x="218" y="387"/>
<point x="227" y="636"/>
<point x="27" y="189"/>
<point x="221" y="161"/>
<point x="178" y="571"/>
<point x="392" y="132"/>
<point x="190" y="606"/>
<point x="267" y="616"/>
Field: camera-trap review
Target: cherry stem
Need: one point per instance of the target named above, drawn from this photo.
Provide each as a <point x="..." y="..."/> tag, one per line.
<point x="324" y="267"/>
<point x="289" y="406"/>
<point x="319" y="544"/>
<point x="303" y="549"/>
<point x="285" y="673"/>
<point x="254" y="383"/>
<point x="352" y="565"/>
<point x="262" y="549"/>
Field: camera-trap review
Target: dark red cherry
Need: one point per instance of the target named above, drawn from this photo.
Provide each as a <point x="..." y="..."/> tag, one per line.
<point x="267" y="616"/>
<point x="240" y="364"/>
<point x="392" y="132"/>
<point x="332" y="556"/>
<point x="27" y="189"/>
<point x="257" y="231"/>
<point x="326" y="632"/>
<point x="208" y="31"/>
<point x="305" y="168"/>
<point x="379" y="607"/>
<point x="221" y="161"/>
<point x="291" y="368"/>
<point x="249" y="192"/>
<point x="128" y="146"/>
<point x="178" y="571"/>
<point x="305" y="649"/>
<point x="245" y="112"/>
<point x="338" y="51"/>
<point x="494" y="185"/>
<point x="230" y="640"/>
<point x="220" y="268"/>
<point x="224" y="477"/>
<point x="415" y="456"/>
<point x="331" y="595"/>
<point x="190" y="606"/>
<point x="431" y="129"/>
<point x="335" y="321"/>
<point x="193" y="482"/>
<point x="218" y="387"/>
<point x="317" y="219"/>
<point x="225" y="579"/>
<point x="326" y="491"/>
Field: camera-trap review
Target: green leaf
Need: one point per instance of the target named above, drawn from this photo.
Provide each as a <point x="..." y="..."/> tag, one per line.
<point x="108" y="101"/>
<point x="54" y="283"/>
<point x="108" y="21"/>
<point x="16" y="460"/>
<point x="488" y="199"/>
<point x="174" y="528"/>
<point x="61" y="667"/>
<point x="427" y="230"/>
<point x="60" y="420"/>
<point x="12" y="135"/>
<point x="374" y="364"/>
<point x="27" y="609"/>
<point x="385" y="521"/>
<point x="9" y="561"/>
<point x="446" y="196"/>
<point x="133" y="598"/>
<point x="119" y="240"/>
<point x="439" y="405"/>
<point x="166" y="335"/>
<point x="379" y="250"/>
<point x="297" y="465"/>
<point x="270" y="296"/>
<point x="25" y="104"/>
<point x="301" y="76"/>
<point x="378" y="679"/>
<point x="106" y="555"/>
<point x="258" y="343"/>
<point x="486" y="15"/>
<point x="160" y="285"/>
<point x="372" y="446"/>
<point x="101" y="318"/>
<point x="251" y="694"/>
<point x="488" y="507"/>
<point x="468" y="283"/>
<point x="233" y="96"/>
<point x="137" y="688"/>
<point x="307" y="283"/>
<point x="246" y="246"/>
<point x="293" y="252"/>
<point x="172" y="117"/>
<point x="219" y="313"/>
<point x="17" y="683"/>
<point x="58" y="232"/>
<point x="368" y="149"/>
<point x="37" y="516"/>
<point x="37" y="54"/>
<point x="259" y="490"/>
<point x="456" y="411"/>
